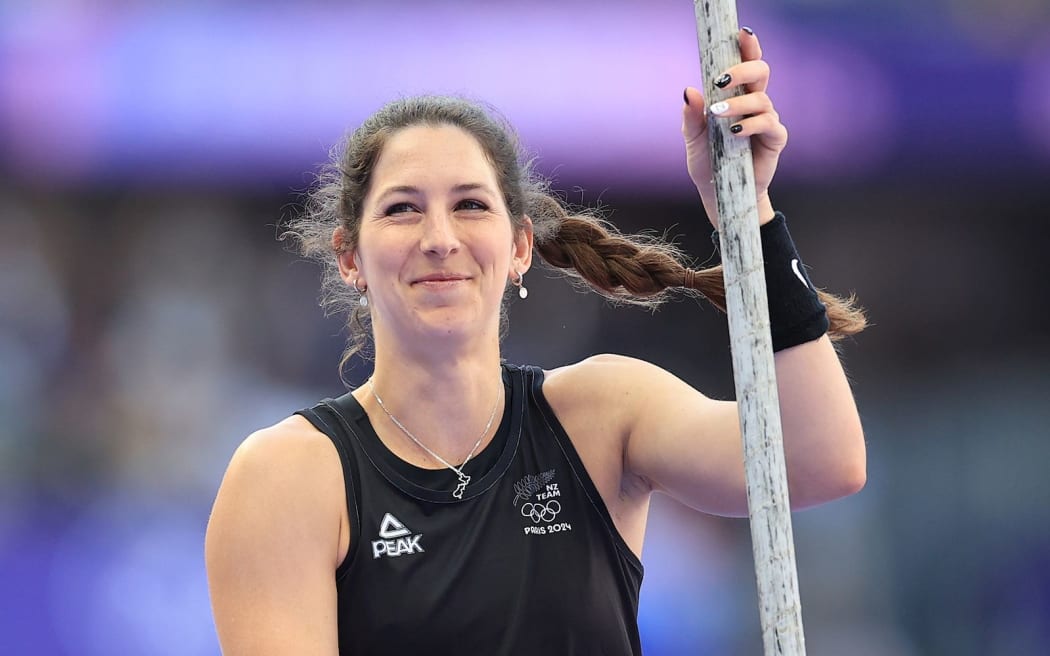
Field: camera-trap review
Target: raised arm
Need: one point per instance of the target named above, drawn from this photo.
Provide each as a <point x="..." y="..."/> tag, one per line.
<point x="273" y="543"/>
<point x="690" y="446"/>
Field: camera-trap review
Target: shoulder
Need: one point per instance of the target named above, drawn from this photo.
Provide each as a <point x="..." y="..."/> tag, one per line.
<point x="624" y="395"/>
<point x="289" y="448"/>
<point x="285" y="475"/>
<point x="616" y="381"/>
<point x="603" y="394"/>
<point x="601" y="368"/>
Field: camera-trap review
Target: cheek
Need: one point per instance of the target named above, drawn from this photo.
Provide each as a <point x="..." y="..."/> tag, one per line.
<point x="500" y="256"/>
<point x="376" y="252"/>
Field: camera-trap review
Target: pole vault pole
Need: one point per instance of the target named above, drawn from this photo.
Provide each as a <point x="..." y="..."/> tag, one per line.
<point x="755" y="377"/>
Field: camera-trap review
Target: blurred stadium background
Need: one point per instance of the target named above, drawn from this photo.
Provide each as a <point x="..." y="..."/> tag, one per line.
<point x="149" y="320"/>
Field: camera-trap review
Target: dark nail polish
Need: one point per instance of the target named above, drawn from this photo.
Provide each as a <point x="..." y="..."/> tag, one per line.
<point x="748" y="30"/>
<point x="735" y="129"/>
<point x="723" y="81"/>
<point x="685" y="96"/>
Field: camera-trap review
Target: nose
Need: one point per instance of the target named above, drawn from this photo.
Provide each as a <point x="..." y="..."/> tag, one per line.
<point x="439" y="235"/>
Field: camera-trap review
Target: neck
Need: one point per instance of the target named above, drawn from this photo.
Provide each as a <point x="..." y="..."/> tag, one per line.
<point x="443" y="399"/>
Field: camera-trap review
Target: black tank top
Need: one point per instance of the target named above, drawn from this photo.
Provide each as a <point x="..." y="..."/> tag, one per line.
<point x="527" y="562"/>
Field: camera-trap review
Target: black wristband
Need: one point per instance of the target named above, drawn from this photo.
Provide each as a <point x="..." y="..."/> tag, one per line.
<point x="796" y="314"/>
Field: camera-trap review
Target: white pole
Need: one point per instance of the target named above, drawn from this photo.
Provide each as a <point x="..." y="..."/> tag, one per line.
<point x="756" y="392"/>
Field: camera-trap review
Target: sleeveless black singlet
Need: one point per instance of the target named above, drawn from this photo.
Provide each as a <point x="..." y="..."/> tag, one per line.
<point x="527" y="562"/>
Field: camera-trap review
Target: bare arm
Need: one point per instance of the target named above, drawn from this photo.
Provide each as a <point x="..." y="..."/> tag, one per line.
<point x="272" y="544"/>
<point x="688" y="445"/>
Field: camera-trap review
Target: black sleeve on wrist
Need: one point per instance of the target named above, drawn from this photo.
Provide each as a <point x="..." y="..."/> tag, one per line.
<point x="796" y="314"/>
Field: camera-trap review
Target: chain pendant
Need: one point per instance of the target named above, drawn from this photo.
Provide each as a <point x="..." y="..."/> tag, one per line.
<point x="464" y="480"/>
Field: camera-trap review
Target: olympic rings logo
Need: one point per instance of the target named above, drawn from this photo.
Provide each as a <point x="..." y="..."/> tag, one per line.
<point x="541" y="512"/>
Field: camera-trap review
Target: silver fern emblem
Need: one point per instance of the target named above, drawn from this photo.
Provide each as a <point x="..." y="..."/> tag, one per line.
<point x="531" y="484"/>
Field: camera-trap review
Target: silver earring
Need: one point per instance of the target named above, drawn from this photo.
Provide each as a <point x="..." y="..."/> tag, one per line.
<point x="520" y="284"/>
<point x="363" y="300"/>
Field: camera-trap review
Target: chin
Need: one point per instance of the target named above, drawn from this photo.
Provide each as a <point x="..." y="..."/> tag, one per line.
<point x="450" y="322"/>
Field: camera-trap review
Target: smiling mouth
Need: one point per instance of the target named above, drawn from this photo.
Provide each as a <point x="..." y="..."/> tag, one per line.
<point x="439" y="282"/>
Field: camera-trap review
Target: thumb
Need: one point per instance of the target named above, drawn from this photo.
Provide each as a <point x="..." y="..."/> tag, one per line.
<point x="694" y="118"/>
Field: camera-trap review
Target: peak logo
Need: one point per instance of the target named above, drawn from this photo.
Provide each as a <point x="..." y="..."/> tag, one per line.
<point x="395" y="540"/>
<point x="391" y="528"/>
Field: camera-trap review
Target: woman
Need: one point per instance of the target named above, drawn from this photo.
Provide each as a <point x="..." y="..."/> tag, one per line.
<point x="456" y="505"/>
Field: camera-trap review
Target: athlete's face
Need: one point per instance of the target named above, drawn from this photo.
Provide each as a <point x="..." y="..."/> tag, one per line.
<point x="436" y="246"/>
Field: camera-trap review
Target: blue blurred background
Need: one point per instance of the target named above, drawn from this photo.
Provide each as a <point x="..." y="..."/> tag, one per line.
<point x="149" y="320"/>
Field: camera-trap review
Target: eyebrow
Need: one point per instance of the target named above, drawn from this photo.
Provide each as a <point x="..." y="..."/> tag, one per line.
<point x="409" y="189"/>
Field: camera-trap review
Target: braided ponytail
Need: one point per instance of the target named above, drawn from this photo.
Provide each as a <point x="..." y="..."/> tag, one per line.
<point x="639" y="269"/>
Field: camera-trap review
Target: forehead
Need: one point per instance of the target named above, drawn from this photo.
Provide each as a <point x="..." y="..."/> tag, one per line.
<point x="432" y="155"/>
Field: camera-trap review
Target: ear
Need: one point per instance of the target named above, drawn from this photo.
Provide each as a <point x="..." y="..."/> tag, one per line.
<point x="346" y="256"/>
<point x="522" y="255"/>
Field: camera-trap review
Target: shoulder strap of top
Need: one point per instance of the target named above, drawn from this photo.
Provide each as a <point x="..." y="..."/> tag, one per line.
<point x="329" y="417"/>
<point x="554" y="427"/>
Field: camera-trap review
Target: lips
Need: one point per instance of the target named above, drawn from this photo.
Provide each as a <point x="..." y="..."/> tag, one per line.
<point x="441" y="277"/>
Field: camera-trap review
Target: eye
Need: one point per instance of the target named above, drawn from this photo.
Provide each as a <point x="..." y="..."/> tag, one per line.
<point x="471" y="204"/>
<point x="399" y="208"/>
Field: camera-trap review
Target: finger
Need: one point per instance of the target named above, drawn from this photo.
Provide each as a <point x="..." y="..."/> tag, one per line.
<point x="750" y="49"/>
<point x="766" y="128"/>
<point x="752" y="75"/>
<point x="694" y="118"/>
<point x="749" y="103"/>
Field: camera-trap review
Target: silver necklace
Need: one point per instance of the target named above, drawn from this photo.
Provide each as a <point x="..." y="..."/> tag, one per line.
<point x="464" y="479"/>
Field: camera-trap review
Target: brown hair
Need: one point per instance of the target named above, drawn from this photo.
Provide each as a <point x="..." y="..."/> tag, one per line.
<point x="633" y="269"/>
